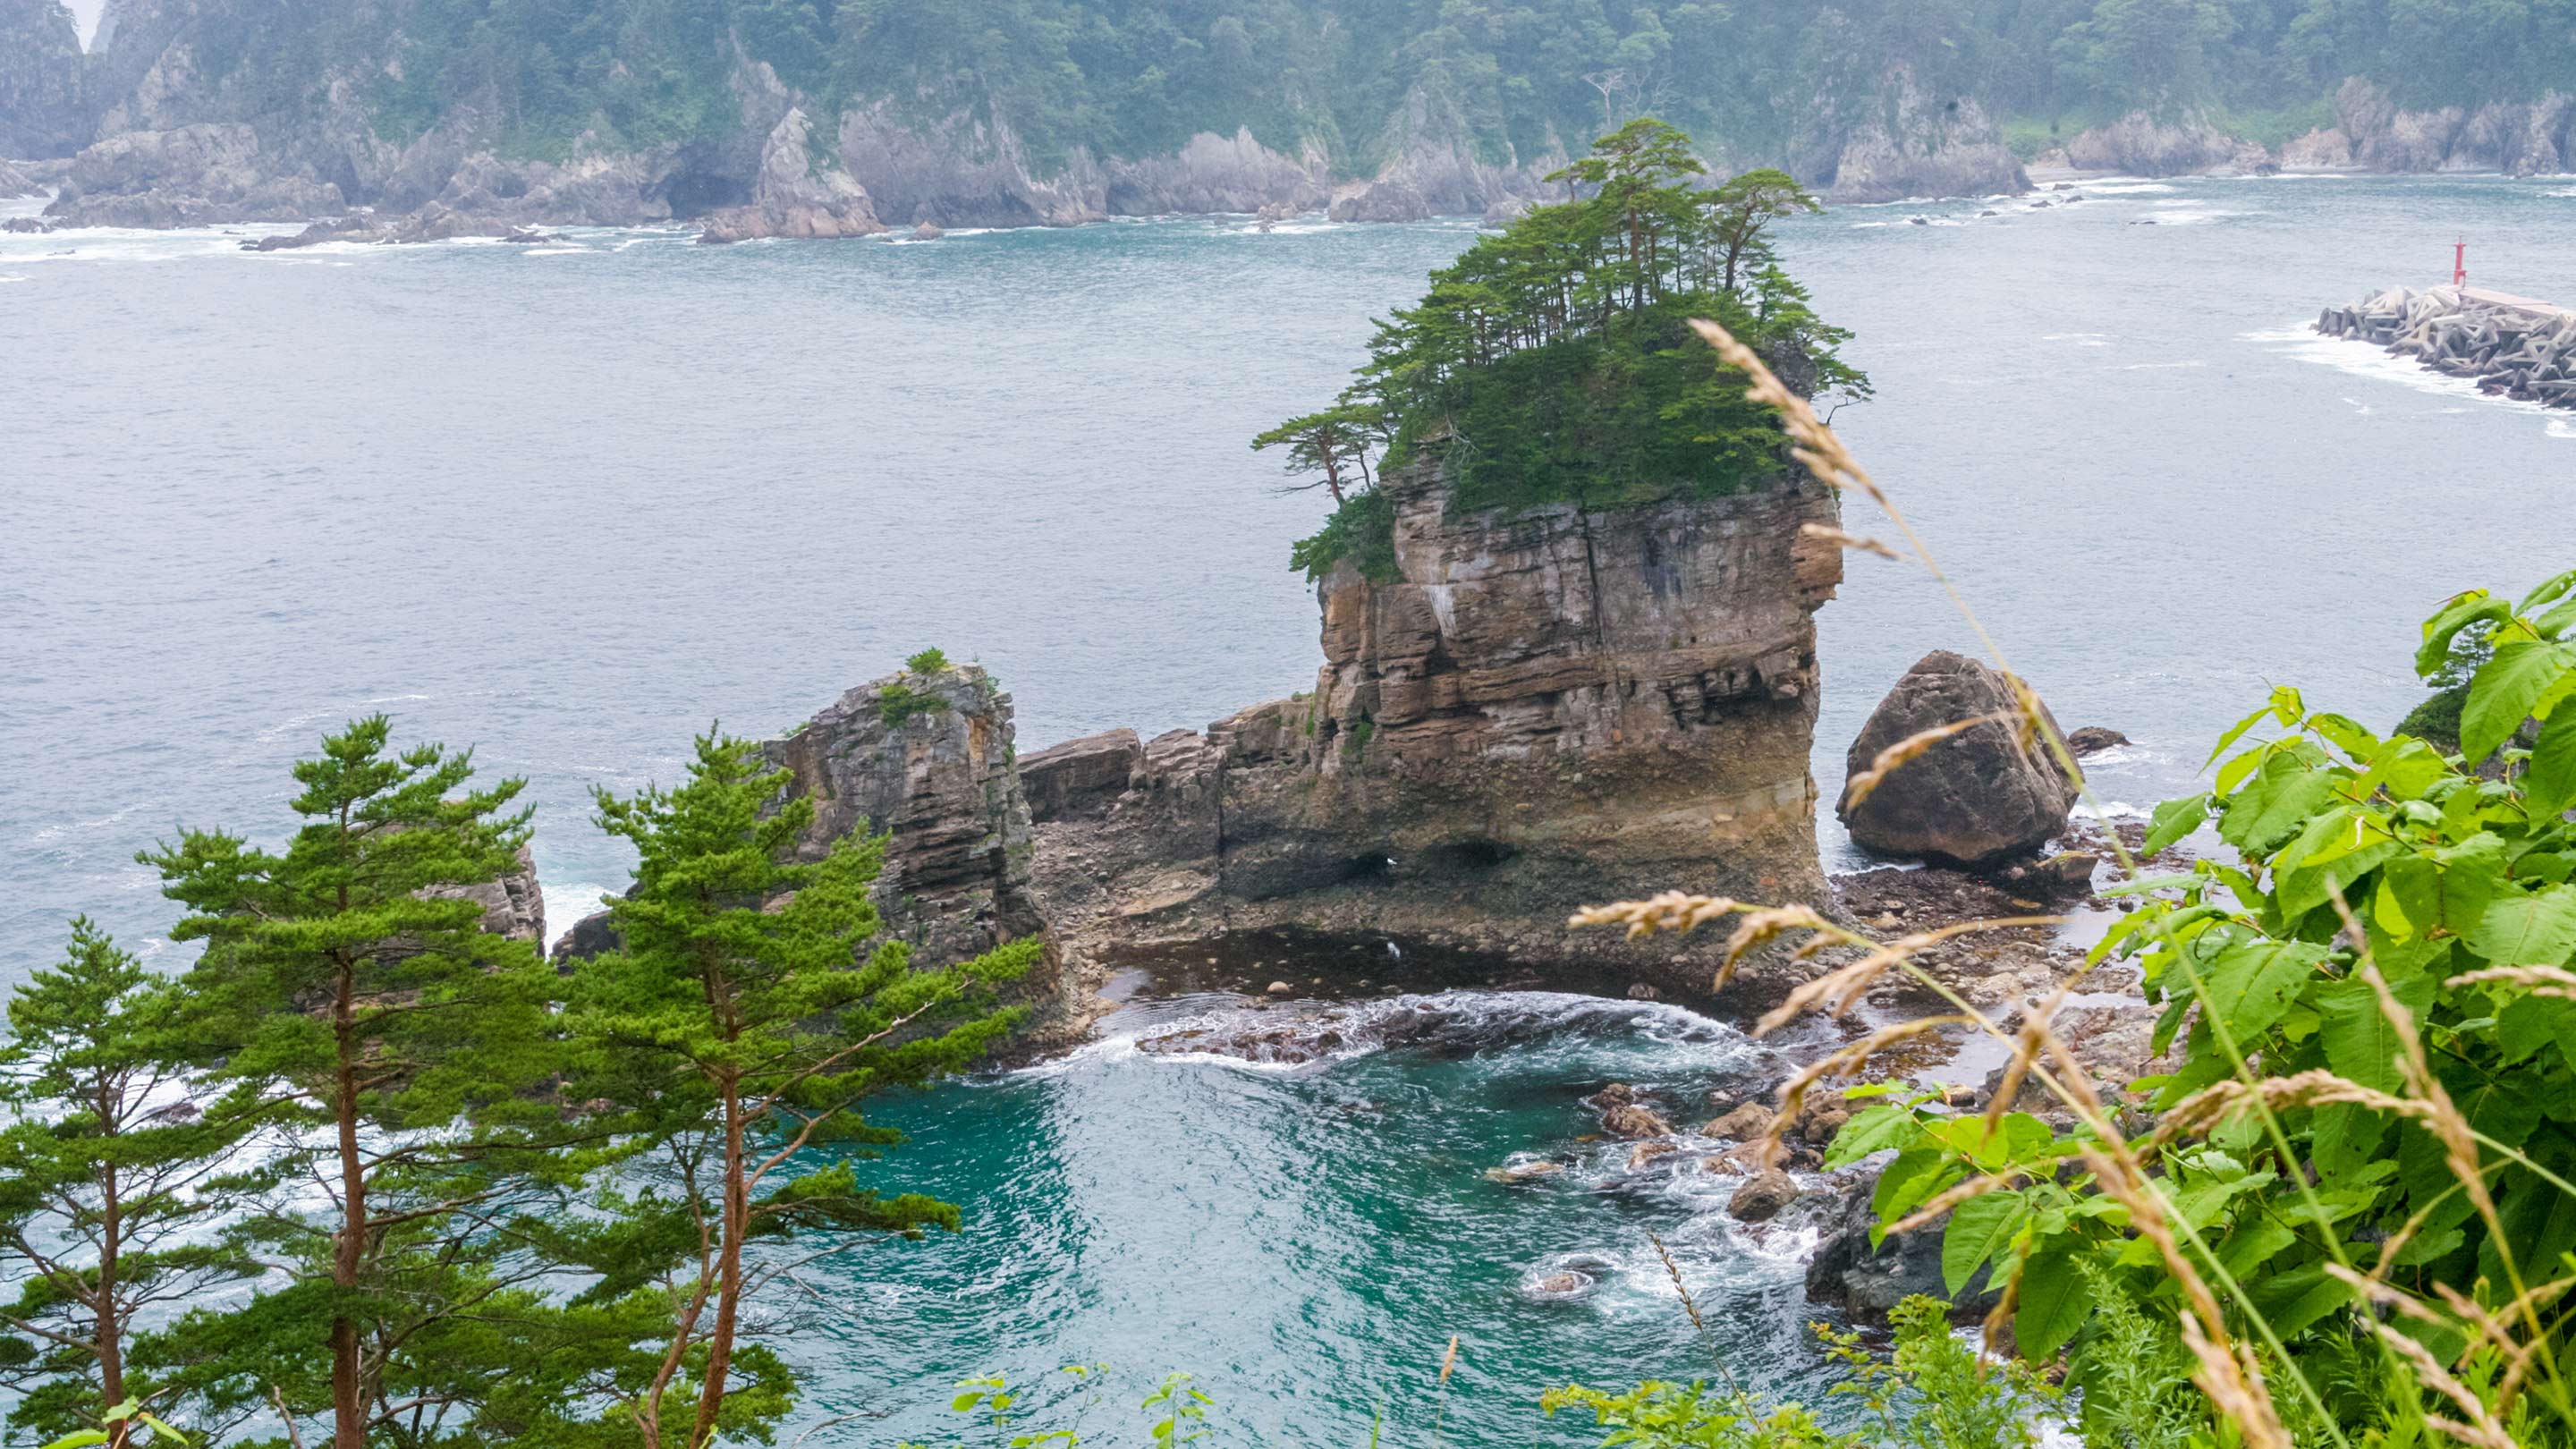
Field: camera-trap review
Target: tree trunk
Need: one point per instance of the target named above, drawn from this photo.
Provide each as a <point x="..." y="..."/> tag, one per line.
<point x="348" y="1420"/>
<point x="109" y="1342"/>
<point x="737" y="1212"/>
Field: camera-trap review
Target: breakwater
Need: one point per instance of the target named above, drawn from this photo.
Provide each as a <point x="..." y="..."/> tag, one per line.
<point x="2509" y="345"/>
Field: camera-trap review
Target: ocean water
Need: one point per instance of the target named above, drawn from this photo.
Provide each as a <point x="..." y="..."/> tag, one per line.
<point x="571" y="503"/>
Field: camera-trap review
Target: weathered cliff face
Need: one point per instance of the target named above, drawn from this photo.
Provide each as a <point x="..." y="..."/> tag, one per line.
<point x="40" y="80"/>
<point x="2371" y="133"/>
<point x="1545" y="708"/>
<point x="794" y="196"/>
<point x="940" y="780"/>
<point x="1909" y="142"/>
<point x="2139" y="144"/>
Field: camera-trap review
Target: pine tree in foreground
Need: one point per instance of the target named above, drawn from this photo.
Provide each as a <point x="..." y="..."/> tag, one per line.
<point x="108" y="1179"/>
<point x="739" y="1027"/>
<point x="352" y="1002"/>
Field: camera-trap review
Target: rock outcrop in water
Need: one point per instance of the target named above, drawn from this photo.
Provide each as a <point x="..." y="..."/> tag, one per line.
<point x="1974" y="798"/>
<point x="1545" y="707"/>
<point x="926" y="758"/>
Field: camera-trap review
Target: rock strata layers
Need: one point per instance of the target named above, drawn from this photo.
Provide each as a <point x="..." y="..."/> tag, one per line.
<point x="1540" y="709"/>
<point x="928" y="760"/>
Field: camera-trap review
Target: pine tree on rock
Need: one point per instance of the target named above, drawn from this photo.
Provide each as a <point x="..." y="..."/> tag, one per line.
<point x="741" y="1025"/>
<point x="355" y="1005"/>
<point x="109" y="1177"/>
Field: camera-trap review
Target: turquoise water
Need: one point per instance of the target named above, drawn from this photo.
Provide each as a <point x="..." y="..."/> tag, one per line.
<point x="1306" y="1240"/>
<point x="574" y="501"/>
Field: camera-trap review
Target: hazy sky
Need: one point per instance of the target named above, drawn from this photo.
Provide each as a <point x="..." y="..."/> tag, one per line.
<point x="86" y="12"/>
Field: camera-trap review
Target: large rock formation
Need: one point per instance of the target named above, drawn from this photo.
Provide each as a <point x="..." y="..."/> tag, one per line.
<point x="40" y="80"/>
<point x="1540" y="709"/>
<point x="1907" y="141"/>
<point x="1972" y="798"/>
<point x="2140" y="144"/>
<point x="794" y="196"/>
<point x="926" y="758"/>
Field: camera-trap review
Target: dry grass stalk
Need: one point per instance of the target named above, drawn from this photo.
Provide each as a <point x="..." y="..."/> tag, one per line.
<point x="2234" y="1383"/>
<point x="2374" y="1289"/>
<point x="2459" y="1144"/>
<point x="1811" y="442"/>
<point x="2481" y="1429"/>
<point x="1764" y="924"/>
<point x="1912" y="747"/>
<point x="1999" y="1318"/>
<point x="2543" y="980"/>
<point x="2232" y="1380"/>
<point x="1843" y="1061"/>
<point x="1951" y="1197"/>
<point x="1830" y="534"/>
<point x="1676" y="911"/>
<point x="2211" y="1105"/>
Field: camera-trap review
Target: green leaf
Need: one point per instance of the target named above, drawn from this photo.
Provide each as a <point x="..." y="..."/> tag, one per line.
<point x="2234" y="733"/>
<point x="2532" y="1022"/>
<point x="1873" y="1129"/>
<point x="2550" y="588"/>
<point x="2458" y="614"/>
<point x="2527" y="928"/>
<point x="2507" y="690"/>
<point x="2361" y="1043"/>
<point x="2291" y="1301"/>
<point x="2251" y="985"/>
<point x="1979" y="1228"/>
<point x="2276" y="803"/>
<point x="2549" y="782"/>
<point x="2172" y="821"/>
<point x="2345" y="734"/>
<point x="2055" y="1297"/>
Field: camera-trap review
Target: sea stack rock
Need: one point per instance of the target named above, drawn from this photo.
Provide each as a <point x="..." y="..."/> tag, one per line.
<point x="926" y="758"/>
<point x="1973" y="799"/>
<point x="1532" y="710"/>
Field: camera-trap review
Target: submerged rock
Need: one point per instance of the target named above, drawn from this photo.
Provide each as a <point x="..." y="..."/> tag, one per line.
<point x="1973" y="798"/>
<point x="2094" y="739"/>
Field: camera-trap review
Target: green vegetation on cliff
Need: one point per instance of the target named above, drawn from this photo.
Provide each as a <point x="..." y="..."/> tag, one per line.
<point x="1556" y="359"/>
<point x="1521" y="82"/>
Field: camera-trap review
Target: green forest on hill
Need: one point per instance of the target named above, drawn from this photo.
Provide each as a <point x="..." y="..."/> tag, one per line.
<point x="1529" y="80"/>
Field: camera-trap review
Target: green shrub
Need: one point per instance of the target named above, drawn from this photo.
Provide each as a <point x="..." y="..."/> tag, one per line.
<point x="899" y="701"/>
<point x="928" y="661"/>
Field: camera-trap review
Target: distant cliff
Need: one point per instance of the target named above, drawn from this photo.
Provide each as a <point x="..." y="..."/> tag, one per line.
<point x="1547" y="707"/>
<point x="2369" y="132"/>
<point x="627" y="112"/>
<point x="41" y="112"/>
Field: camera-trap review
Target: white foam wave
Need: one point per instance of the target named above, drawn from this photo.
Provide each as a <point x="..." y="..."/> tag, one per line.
<point x="2369" y="360"/>
<point x="2124" y="188"/>
<point x="2159" y="366"/>
<point x="558" y="252"/>
<point x="566" y="905"/>
<point x="1315" y="1035"/>
<point x="12" y="279"/>
<point x="2080" y="339"/>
